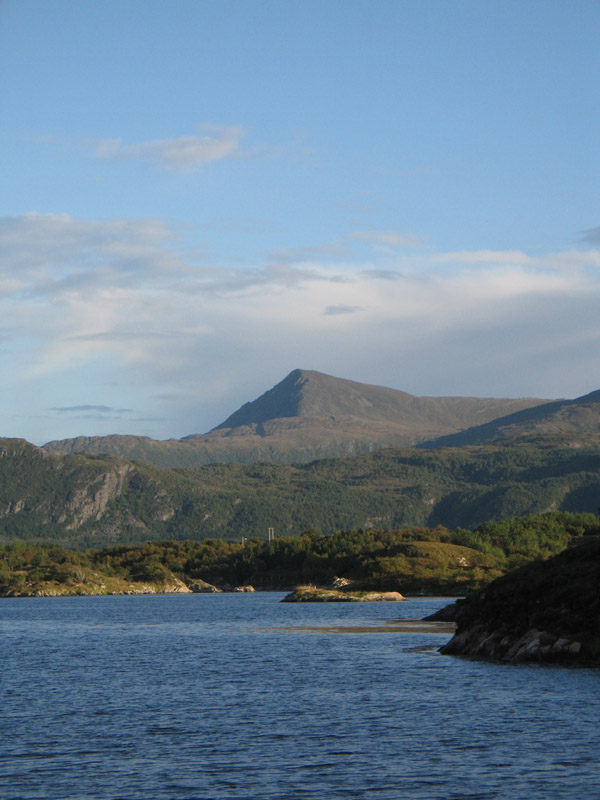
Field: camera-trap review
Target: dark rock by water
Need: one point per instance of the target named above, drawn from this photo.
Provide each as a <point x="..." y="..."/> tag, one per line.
<point x="545" y="611"/>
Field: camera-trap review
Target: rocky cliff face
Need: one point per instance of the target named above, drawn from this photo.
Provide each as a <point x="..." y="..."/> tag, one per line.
<point x="90" y="502"/>
<point x="43" y="494"/>
<point x="533" y="645"/>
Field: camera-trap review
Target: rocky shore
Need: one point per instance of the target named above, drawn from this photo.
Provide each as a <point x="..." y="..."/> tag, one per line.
<point x="89" y="589"/>
<point x="548" y="611"/>
<point x="533" y="645"/>
<point x="95" y="585"/>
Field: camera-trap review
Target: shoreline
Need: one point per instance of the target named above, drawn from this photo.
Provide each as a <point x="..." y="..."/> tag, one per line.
<point x="147" y="589"/>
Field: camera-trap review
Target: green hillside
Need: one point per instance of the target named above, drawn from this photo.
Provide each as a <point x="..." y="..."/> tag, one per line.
<point x="84" y="501"/>
<point x="420" y="560"/>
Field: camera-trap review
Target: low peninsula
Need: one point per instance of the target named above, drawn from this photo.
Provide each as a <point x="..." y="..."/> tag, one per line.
<point x="546" y="611"/>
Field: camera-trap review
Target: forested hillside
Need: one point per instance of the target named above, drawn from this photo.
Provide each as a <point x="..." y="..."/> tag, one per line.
<point x="408" y="560"/>
<point x="83" y="501"/>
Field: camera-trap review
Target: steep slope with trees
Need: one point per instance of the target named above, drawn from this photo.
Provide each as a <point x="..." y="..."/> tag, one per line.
<point x="86" y="501"/>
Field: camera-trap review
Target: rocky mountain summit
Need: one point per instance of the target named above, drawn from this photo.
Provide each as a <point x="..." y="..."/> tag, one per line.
<point x="307" y="416"/>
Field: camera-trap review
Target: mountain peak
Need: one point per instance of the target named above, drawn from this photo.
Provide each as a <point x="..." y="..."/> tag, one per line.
<point x="310" y="415"/>
<point x="280" y="402"/>
<point x="308" y="394"/>
<point x="310" y="399"/>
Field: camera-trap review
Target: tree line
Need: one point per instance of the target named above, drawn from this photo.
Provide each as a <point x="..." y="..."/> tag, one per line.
<point x="410" y="559"/>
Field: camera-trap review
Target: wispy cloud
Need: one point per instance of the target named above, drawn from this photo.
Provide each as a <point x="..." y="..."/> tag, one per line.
<point x="58" y="257"/>
<point x="295" y="255"/>
<point x="387" y="238"/>
<point x="592" y="235"/>
<point x="485" y="257"/>
<point x="381" y="274"/>
<point x="180" y="154"/>
<point x="91" y="408"/>
<point x="46" y="252"/>
<point x="334" y="311"/>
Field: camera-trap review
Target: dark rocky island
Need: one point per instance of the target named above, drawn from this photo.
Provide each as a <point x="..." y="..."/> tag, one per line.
<point x="546" y="611"/>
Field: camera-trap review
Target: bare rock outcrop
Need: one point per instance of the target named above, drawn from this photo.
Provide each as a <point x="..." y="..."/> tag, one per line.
<point x="533" y="645"/>
<point x="199" y="586"/>
<point x="89" y="502"/>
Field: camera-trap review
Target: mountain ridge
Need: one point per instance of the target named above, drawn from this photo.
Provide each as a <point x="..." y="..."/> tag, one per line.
<point x="558" y="417"/>
<point x="306" y="416"/>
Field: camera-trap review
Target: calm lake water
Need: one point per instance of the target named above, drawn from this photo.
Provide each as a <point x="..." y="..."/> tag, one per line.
<point x="240" y="696"/>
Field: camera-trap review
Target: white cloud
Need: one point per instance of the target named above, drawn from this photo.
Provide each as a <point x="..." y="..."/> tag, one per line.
<point x="181" y="154"/>
<point x="90" y="304"/>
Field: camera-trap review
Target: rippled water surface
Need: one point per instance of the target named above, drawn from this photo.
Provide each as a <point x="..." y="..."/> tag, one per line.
<point x="240" y="696"/>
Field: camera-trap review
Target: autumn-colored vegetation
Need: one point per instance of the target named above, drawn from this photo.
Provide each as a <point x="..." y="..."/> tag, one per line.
<point x="408" y="560"/>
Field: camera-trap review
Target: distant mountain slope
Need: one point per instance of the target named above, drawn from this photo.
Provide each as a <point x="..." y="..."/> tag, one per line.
<point x="322" y="400"/>
<point x="89" y="501"/>
<point x="162" y="453"/>
<point x="562" y="418"/>
<point x="308" y="416"/>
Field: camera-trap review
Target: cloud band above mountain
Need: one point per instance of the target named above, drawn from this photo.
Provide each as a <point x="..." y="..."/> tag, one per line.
<point x="124" y="302"/>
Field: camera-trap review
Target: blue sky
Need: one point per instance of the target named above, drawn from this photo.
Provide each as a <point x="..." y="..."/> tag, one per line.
<point x="199" y="197"/>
